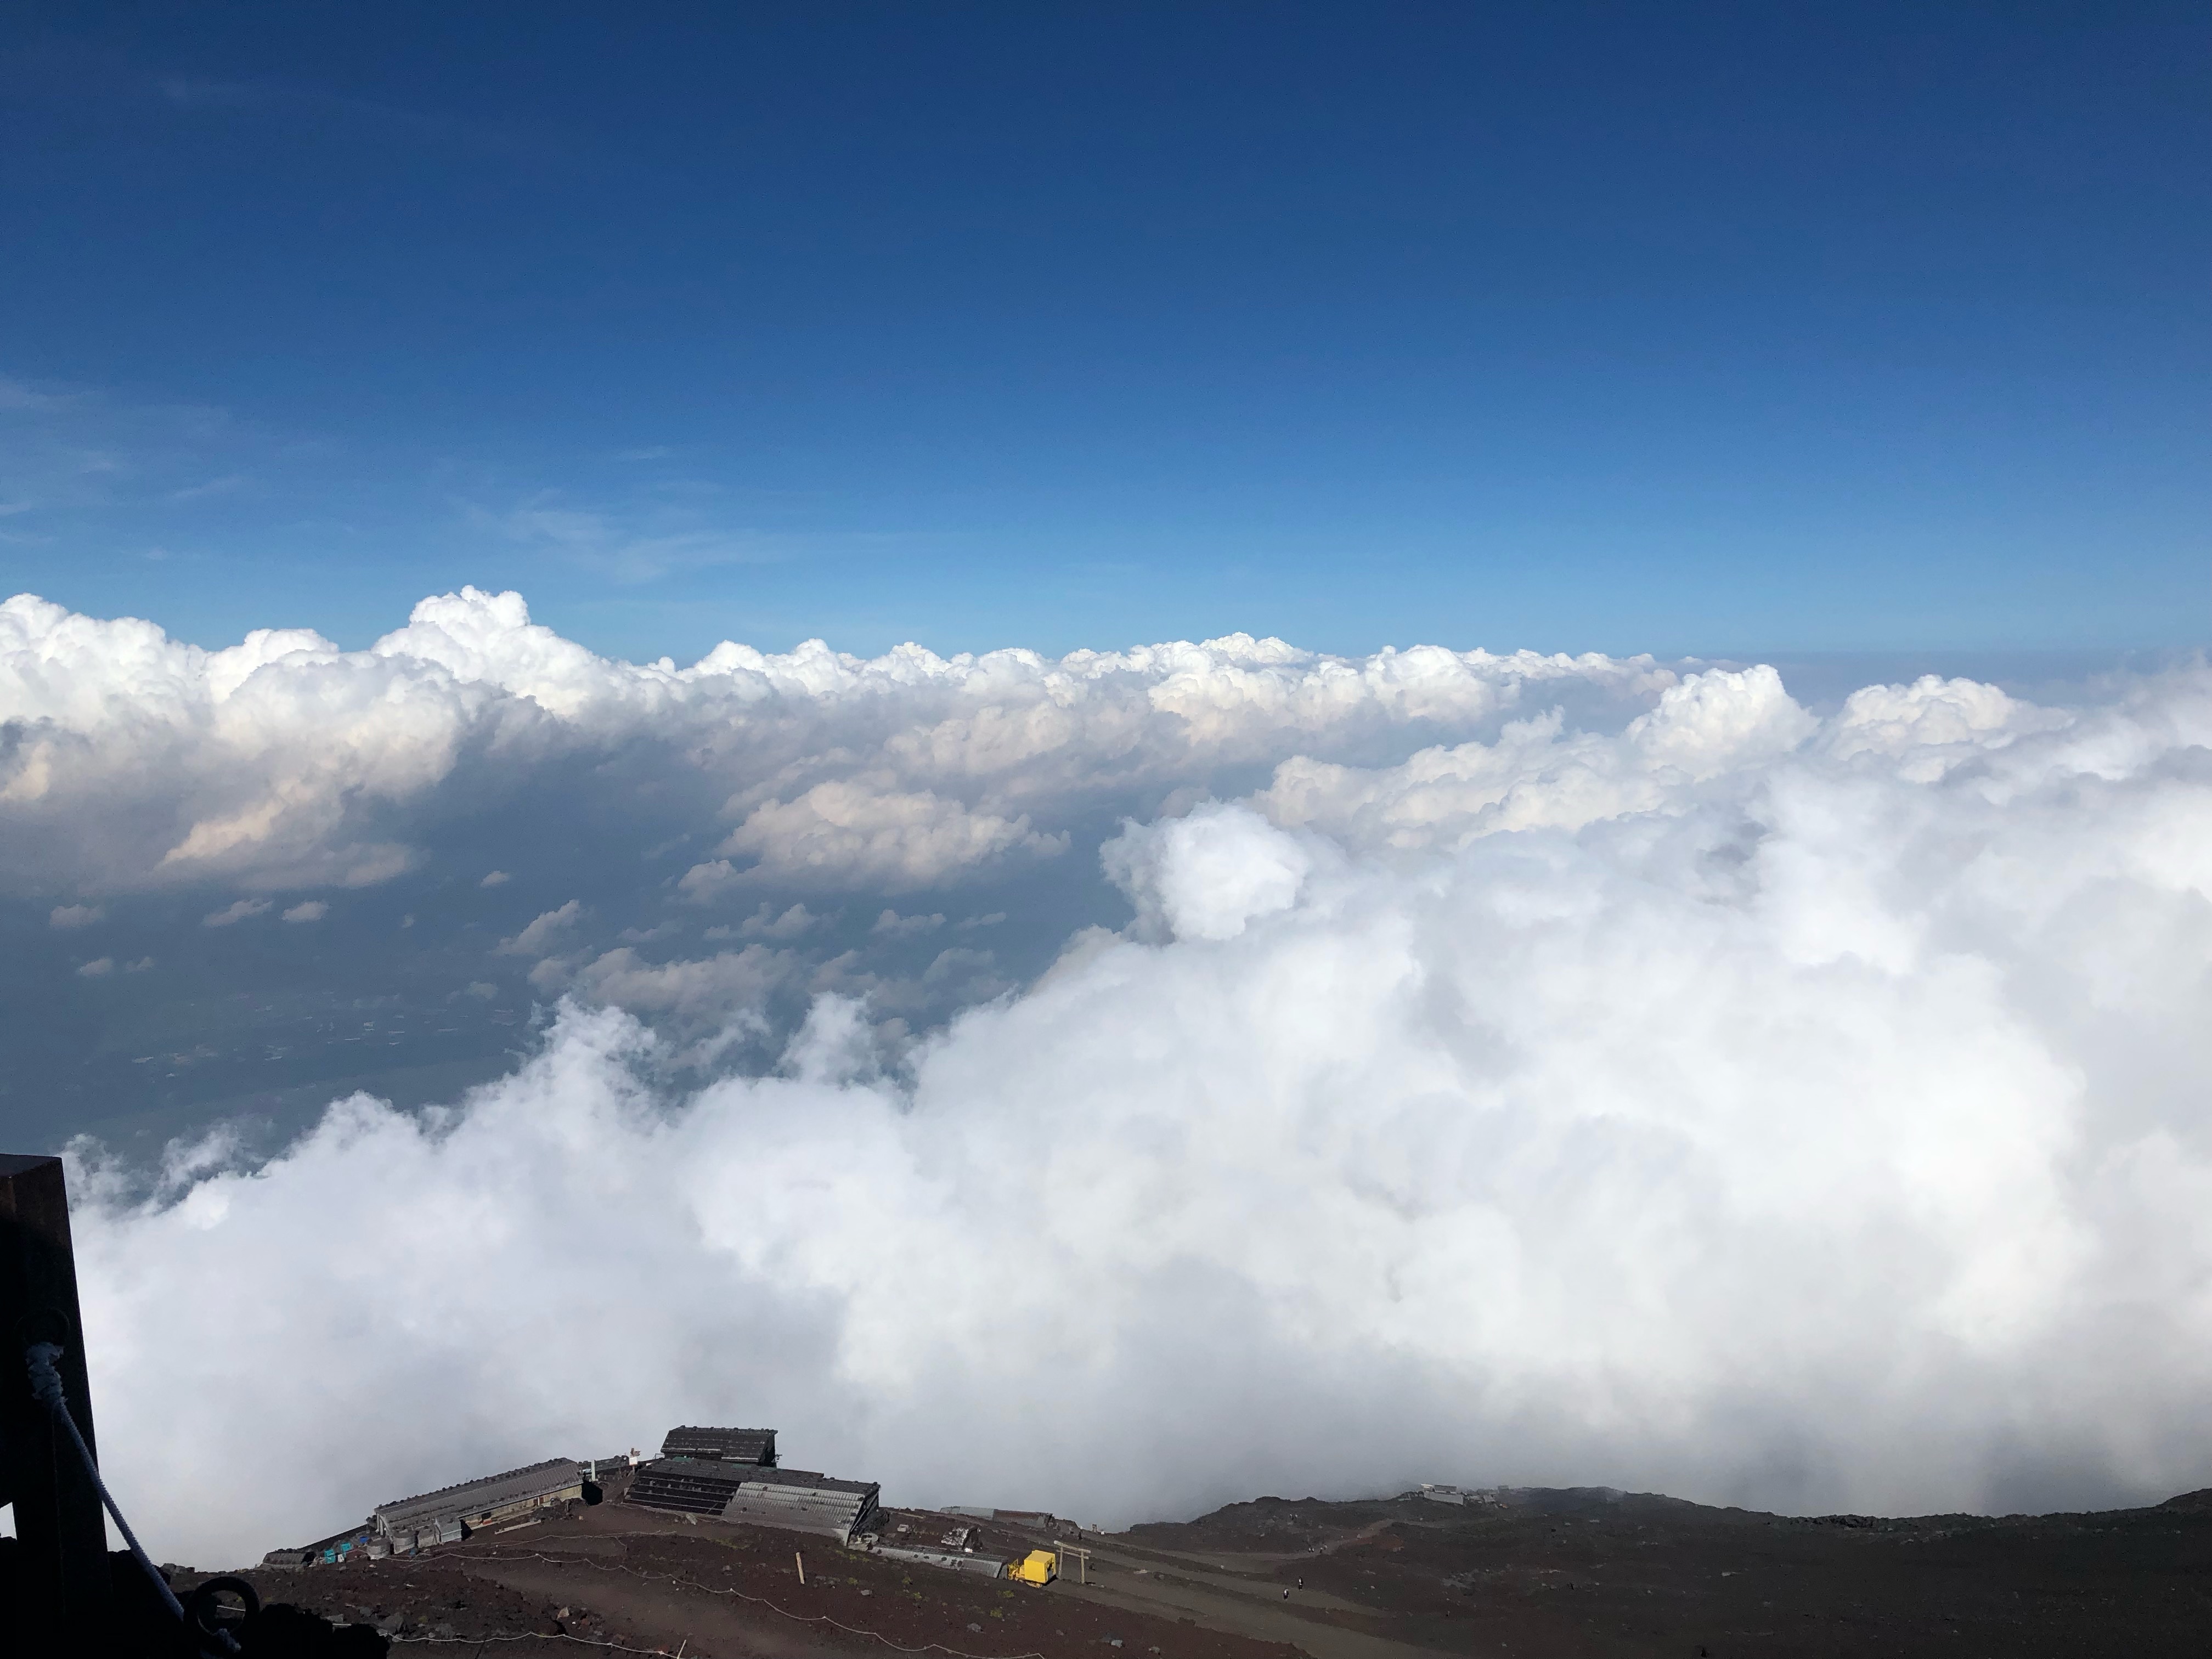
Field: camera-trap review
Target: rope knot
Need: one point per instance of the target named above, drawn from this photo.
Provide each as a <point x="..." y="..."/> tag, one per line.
<point x="46" y="1380"/>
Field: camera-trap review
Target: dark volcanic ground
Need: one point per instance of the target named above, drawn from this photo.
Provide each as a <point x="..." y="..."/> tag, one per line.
<point x="637" y="1581"/>
<point x="1580" y="1572"/>
<point x="1588" y="1572"/>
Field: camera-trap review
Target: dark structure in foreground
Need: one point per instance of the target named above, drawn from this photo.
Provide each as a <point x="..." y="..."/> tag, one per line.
<point x="62" y="1592"/>
<point x="59" y="1565"/>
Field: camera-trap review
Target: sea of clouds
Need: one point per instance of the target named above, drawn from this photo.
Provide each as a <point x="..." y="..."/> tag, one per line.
<point x="1517" y="1068"/>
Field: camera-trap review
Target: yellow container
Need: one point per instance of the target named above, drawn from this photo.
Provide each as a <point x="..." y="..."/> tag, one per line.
<point x="1035" y="1568"/>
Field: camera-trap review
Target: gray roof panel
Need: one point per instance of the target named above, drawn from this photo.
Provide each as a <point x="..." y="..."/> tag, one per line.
<point x="493" y="1491"/>
<point x="730" y="1445"/>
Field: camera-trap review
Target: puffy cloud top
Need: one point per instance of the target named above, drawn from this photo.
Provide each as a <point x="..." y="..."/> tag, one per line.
<point x="1519" y="1068"/>
<point x="129" y="760"/>
<point x="1208" y="875"/>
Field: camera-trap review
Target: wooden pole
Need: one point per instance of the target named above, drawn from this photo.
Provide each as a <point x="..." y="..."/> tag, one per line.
<point x="801" y="1560"/>
<point x="63" y="1597"/>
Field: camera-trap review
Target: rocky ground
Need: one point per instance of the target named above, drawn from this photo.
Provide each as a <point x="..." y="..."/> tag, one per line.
<point x="1579" y="1573"/>
<point x="1599" y="1573"/>
<point x="634" y="1581"/>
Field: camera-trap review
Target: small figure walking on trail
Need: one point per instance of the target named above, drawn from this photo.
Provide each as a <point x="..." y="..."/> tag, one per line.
<point x="1286" y="1595"/>
<point x="1302" y="1583"/>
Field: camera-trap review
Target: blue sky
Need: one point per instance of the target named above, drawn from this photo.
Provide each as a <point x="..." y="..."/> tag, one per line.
<point x="1705" y="329"/>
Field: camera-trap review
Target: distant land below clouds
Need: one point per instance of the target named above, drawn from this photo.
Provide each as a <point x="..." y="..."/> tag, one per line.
<point x="1745" y="1080"/>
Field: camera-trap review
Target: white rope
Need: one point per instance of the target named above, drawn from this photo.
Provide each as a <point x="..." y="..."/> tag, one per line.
<point x="582" y="1641"/>
<point x="46" y="1389"/>
<point x="759" y="1600"/>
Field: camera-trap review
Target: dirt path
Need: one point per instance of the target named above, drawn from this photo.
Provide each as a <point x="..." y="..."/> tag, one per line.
<point x="1233" y="1562"/>
<point x="1211" y="1591"/>
<point x="651" y="1614"/>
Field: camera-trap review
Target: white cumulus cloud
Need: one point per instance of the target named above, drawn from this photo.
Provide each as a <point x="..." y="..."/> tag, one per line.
<point x="853" y="834"/>
<point x="129" y="760"/>
<point x="1207" y="875"/>
<point x="1807" y="1113"/>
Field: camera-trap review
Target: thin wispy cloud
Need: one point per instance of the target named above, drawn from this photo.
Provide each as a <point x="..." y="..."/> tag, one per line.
<point x="231" y="915"/>
<point x="636" y="545"/>
<point x="16" y="394"/>
<point x="274" y="97"/>
<point x="373" y="119"/>
<point x="69" y="449"/>
<point x="230" y="484"/>
<point x="105" y="471"/>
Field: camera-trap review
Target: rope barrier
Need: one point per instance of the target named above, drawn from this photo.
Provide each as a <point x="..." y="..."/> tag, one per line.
<point x="581" y="1641"/>
<point x="46" y="1388"/>
<point x="760" y="1601"/>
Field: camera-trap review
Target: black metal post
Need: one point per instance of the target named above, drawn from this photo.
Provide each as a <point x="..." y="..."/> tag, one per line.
<point x="61" y="1593"/>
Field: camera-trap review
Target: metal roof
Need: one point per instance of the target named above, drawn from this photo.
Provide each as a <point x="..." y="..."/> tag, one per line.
<point x="493" y="1491"/>
<point x="805" y="1478"/>
<point x="694" y="1486"/>
<point x="730" y="1445"/>
<point x="704" y="1485"/>
<point x="832" y="1507"/>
